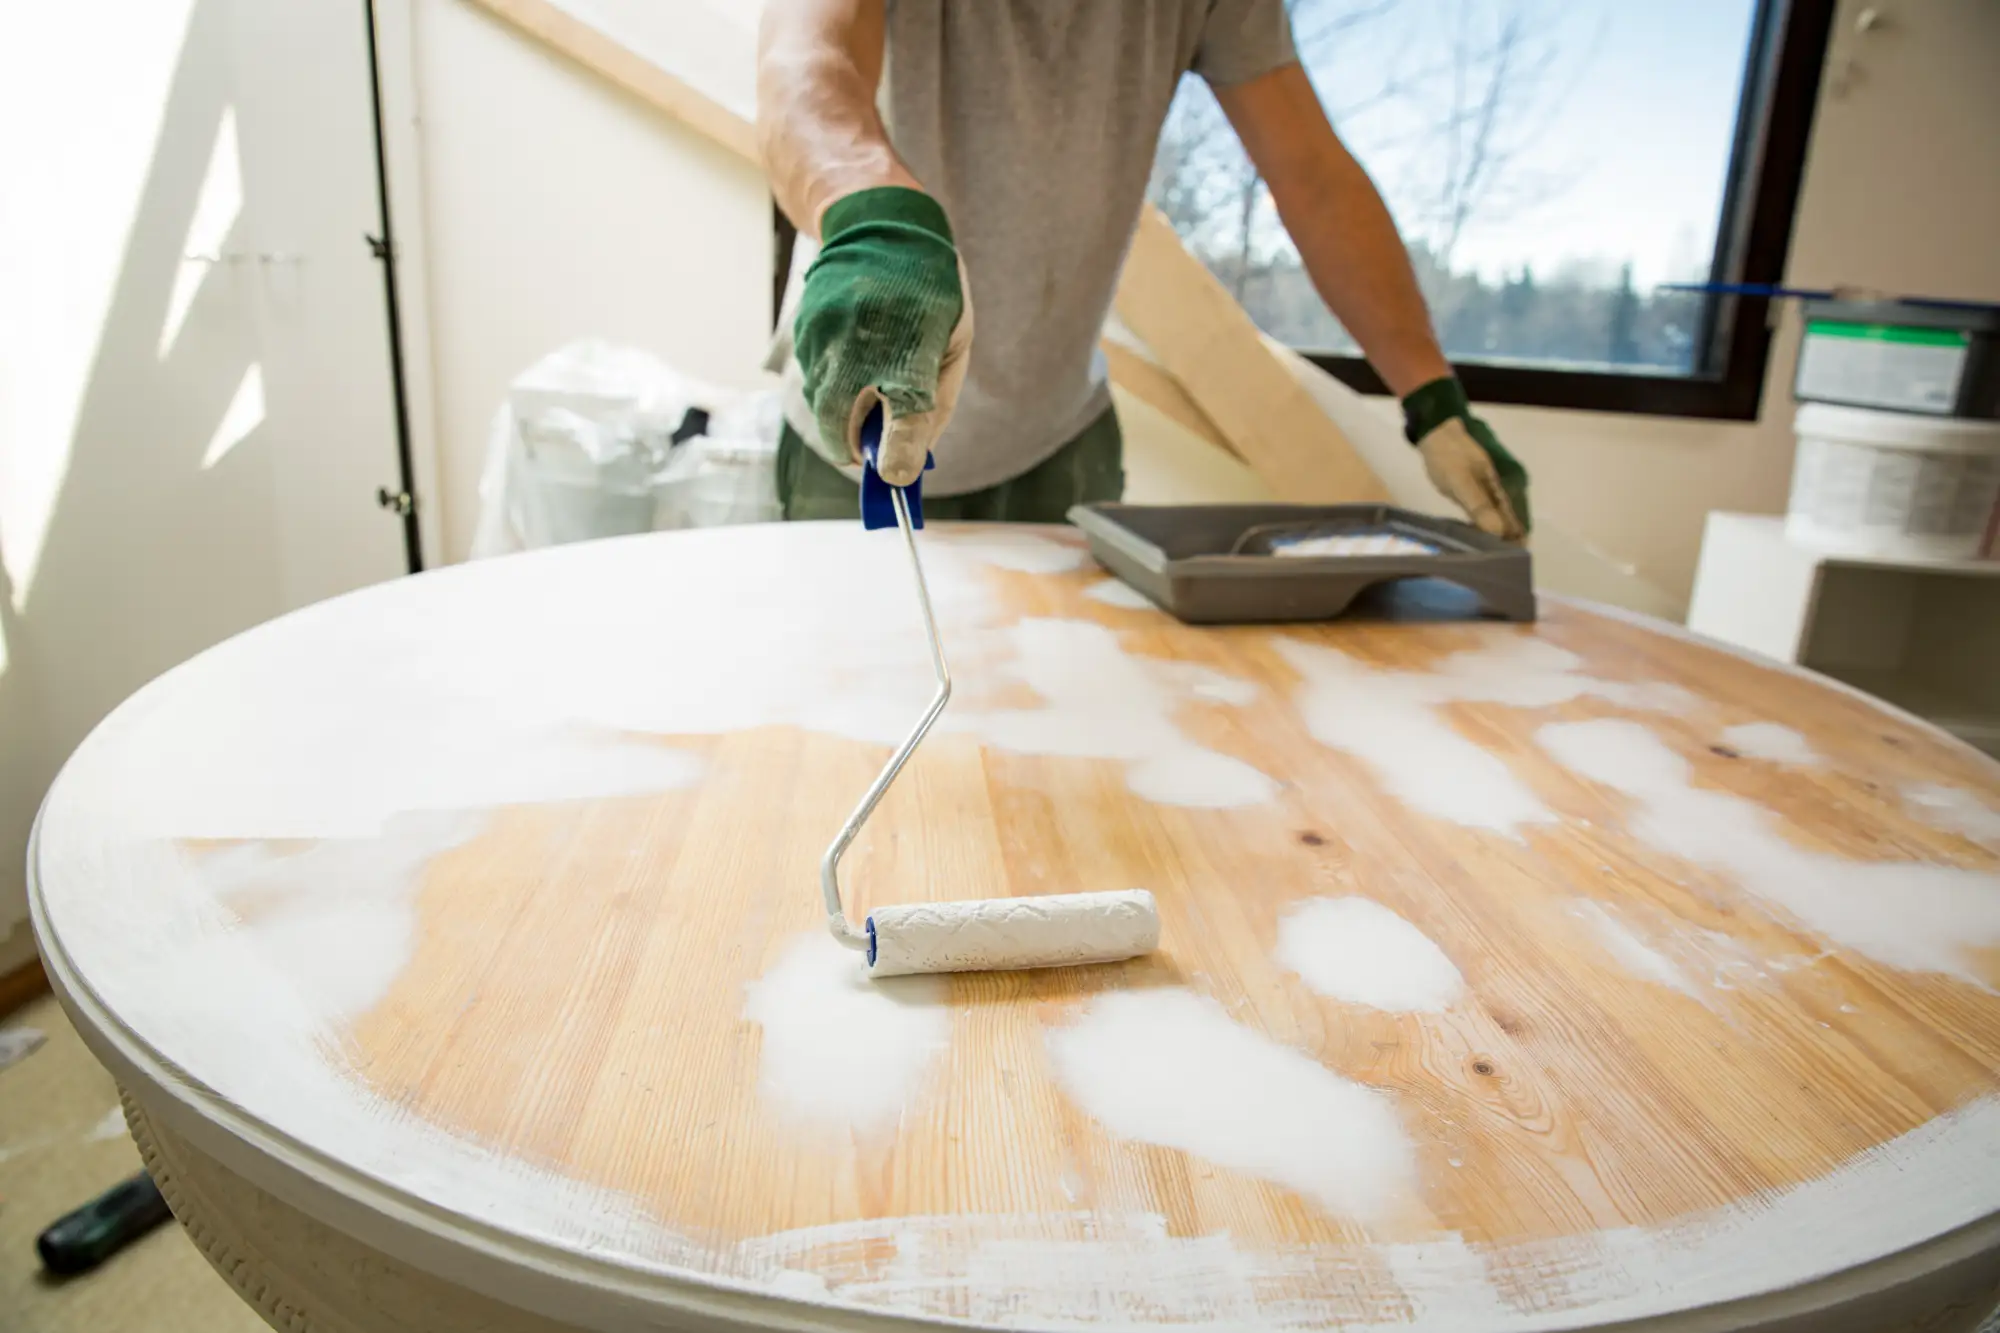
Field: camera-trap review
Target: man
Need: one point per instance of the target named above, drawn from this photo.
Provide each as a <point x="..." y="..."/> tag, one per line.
<point x="1008" y="161"/>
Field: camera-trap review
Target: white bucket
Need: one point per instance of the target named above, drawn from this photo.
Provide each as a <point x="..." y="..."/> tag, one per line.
<point x="1894" y="484"/>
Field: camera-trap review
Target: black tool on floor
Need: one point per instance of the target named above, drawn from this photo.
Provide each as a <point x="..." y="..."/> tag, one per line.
<point x="79" y="1241"/>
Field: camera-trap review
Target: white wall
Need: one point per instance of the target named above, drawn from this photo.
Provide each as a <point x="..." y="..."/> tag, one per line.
<point x="558" y="208"/>
<point x="150" y="503"/>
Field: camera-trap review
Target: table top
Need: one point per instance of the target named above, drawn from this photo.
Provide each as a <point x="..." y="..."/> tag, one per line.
<point x="1510" y="976"/>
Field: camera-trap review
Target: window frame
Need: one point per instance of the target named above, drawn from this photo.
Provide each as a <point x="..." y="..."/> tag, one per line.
<point x="1767" y="160"/>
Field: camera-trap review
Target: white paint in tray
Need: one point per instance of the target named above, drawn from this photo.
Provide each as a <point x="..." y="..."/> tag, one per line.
<point x="1350" y="544"/>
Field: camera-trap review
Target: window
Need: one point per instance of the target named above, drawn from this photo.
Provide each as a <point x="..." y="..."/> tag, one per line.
<point x="1552" y="165"/>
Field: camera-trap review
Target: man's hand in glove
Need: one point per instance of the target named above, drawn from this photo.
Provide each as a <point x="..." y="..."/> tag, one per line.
<point x="884" y="316"/>
<point x="1466" y="461"/>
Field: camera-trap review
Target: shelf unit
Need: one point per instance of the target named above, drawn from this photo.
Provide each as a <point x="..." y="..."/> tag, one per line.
<point x="1923" y="635"/>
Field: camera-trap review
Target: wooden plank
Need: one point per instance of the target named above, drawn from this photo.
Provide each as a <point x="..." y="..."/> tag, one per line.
<point x="1206" y="340"/>
<point x="1154" y="386"/>
<point x="625" y="68"/>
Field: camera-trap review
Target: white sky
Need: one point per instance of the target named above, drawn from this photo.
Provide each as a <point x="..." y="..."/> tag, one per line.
<point x="1626" y="139"/>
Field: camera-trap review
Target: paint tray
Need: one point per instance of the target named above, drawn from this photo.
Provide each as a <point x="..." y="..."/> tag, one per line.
<point x="1219" y="564"/>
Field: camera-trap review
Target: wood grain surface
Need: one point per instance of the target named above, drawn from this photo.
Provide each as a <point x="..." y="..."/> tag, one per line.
<point x="1649" y="1050"/>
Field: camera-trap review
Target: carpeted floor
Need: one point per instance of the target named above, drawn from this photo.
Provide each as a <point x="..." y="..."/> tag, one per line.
<point x="63" y="1142"/>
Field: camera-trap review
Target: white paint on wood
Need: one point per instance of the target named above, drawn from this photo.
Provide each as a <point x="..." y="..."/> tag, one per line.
<point x="1118" y="593"/>
<point x="1104" y="703"/>
<point x="1772" y="741"/>
<point x="1360" y="952"/>
<point x="340" y="914"/>
<point x="1915" y="916"/>
<point x="840" y="1048"/>
<point x="1394" y="721"/>
<point x="1168" y="1066"/>
<point x="1628" y="949"/>
<point x="1954" y="809"/>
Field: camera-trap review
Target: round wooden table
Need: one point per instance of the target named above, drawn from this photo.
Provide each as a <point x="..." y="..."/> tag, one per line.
<point x="459" y="946"/>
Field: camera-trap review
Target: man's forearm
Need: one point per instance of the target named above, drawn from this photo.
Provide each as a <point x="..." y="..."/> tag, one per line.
<point x="1340" y="225"/>
<point x="1356" y="259"/>
<point x="818" y="65"/>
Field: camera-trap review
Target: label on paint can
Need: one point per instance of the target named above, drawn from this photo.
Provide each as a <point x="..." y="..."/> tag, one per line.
<point x="1882" y="365"/>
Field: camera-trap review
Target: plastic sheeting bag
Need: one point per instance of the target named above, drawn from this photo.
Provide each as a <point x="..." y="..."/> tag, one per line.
<point x="597" y="440"/>
<point x="728" y="473"/>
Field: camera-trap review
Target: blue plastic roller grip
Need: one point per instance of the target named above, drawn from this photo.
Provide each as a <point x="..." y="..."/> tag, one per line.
<point x="878" y="510"/>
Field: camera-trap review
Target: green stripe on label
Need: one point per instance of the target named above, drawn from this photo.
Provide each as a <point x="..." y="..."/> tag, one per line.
<point x="1888" y="333"/>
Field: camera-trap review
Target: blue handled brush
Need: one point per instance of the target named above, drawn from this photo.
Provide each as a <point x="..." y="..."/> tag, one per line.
<point x="982" y="935"/>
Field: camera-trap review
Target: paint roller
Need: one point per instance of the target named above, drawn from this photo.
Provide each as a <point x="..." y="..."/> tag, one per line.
<point x="983" y="935"/>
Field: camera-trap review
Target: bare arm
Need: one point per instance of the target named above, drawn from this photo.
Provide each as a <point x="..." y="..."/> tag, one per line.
<point x="818" y="65"/>
<point x="1339" y="223"/>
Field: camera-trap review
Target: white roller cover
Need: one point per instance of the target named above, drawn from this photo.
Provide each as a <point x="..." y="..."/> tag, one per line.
<point x="1004" y="934"/>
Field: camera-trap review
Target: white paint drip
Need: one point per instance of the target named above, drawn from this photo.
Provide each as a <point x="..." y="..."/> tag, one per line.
<point x="1630" y="952"/>
<point x="1167" y="1066"/>
<point x="1908" y="915"/>
<point x="839" y="1048"/>
<point x="1955" y="810"/>
<point x="1117" y="592"/>
<point x="112" y="1126"/>
<point x="1771" y="741"/>
<point x="1360" y="952"/>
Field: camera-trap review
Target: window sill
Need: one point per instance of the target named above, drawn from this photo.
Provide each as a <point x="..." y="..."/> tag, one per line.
<point x="1580" y="390"/>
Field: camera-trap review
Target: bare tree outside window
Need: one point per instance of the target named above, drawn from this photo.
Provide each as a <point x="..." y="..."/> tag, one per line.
<point x="1470" y="116"/>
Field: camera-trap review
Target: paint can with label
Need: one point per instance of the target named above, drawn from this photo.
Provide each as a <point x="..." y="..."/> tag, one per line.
<point x="1937" y="358"/>
<point x="1894" y="484"/>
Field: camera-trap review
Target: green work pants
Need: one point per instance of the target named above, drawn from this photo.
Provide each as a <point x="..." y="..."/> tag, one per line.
<point x="1089" y="468"/>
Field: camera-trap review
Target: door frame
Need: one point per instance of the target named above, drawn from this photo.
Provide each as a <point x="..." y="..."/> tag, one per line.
<point x="399" y="148"/>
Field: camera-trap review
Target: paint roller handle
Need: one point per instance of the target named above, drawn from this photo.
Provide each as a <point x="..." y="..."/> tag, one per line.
<point x="902" y="507"/>
<point x="878" y="506"/>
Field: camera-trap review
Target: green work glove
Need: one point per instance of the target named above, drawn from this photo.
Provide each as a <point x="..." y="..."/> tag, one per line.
<point x="1466" y="461"/>
<point x="884" y="316"/>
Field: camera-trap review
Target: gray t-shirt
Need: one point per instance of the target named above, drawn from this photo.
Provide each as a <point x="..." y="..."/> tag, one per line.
<point x="1034" y="123"/>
